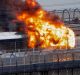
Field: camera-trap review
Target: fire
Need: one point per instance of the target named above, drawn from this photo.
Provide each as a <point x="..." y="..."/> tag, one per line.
<point x="44" y="29"/>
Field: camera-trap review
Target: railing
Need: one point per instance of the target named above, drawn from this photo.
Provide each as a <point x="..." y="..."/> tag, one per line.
<point x="69" y="16"/>
<point x="37" y="57"/>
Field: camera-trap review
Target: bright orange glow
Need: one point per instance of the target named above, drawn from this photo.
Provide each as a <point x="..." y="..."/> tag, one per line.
<point x="31" y="3"/>
<point x="44" y="29"/>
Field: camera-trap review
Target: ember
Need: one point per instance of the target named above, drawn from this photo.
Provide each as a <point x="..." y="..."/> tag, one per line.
<point x="44" y="29"/>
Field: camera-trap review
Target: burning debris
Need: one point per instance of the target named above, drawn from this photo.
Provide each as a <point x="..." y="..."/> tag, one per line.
<point x="44" y="29"/>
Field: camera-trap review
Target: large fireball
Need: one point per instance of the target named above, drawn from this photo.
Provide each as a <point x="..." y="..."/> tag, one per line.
<point x="44" y="29"/>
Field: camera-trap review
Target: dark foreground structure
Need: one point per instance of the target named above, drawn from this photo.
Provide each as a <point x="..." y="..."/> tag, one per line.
<point x="63" y="62"/>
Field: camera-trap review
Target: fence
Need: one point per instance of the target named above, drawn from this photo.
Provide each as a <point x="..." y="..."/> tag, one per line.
<point x="48" y="62"/>
<point x="35" y="57"/>
<point x="69" y="16"/>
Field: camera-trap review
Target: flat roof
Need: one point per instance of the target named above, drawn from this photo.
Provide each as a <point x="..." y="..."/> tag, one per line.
<point x="9" y="35"/>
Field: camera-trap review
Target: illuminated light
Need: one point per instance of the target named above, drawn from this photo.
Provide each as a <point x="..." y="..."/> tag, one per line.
<point x="33" y="4"/>
<point x="44" y="29"/>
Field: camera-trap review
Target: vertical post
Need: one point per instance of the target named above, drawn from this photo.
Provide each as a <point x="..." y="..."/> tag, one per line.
<point x="16" y="64"/>
<point x="44" y="73"/>
<point x="72" y="62"/>
<point x="72" y="71"/>
<point x="15" y="45"/>
<point x="1" y="63"/>
<point x="30" y="73"/>
<point x="58" y="62"/>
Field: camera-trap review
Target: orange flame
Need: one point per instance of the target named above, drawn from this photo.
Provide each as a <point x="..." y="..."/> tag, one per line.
<point x="44" y="29"/>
